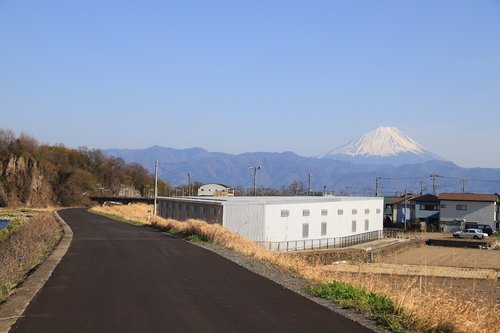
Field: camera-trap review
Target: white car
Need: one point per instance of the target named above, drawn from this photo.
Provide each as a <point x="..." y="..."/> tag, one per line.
<point x="470" y="233"/>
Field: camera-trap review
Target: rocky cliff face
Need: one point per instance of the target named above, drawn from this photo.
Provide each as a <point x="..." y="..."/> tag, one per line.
<point x="24" y="182"/>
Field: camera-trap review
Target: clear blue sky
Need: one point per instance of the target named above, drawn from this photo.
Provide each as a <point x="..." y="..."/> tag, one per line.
<point x="238" y="76"/>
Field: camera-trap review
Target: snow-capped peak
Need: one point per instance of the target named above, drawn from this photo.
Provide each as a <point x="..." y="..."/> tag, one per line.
<point x="383" y="142"/>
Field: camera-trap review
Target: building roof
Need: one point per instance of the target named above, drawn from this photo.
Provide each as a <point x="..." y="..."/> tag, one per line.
<point x="269" y="200"/>
<point x="211" y="184"/>
<point x="415" y="198"/>
<point x="468" y="197"/>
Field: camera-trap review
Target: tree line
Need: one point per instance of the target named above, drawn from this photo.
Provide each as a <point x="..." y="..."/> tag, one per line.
<point x="41" y="174"/>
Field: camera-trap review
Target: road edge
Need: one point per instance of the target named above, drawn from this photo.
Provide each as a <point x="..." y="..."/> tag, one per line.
<point x="14" y="306"/>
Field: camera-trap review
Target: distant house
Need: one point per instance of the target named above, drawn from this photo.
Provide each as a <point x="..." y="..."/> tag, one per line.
<point x="459" y="208"/>
<point x="421" y="210"/>
<point x="215" y="190"/>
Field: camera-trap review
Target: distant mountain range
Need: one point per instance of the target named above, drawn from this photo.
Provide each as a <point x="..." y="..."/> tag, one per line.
<point x="351" y="169"/>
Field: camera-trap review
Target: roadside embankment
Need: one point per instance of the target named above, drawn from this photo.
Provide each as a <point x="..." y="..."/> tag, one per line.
<point x="24" y="244"/>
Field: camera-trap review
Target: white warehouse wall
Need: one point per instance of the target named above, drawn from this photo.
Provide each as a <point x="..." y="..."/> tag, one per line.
<point x="289" y="228"/>
<point x="246" y="220"/>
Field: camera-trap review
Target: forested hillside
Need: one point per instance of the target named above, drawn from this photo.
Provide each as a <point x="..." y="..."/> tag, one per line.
<point x="33" y="174"/>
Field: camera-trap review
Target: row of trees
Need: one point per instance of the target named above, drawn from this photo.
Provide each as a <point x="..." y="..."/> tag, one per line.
<point x="63" y="175"/>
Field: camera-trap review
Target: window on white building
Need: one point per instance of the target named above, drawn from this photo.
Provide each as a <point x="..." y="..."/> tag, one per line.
<point x="378" y="211"/>
<point x="305" y="212"/>
<point x="285" y="213"/>
<point x="340" y="212"/>
<point x="367" y="225"/>
<point x="367" y="211"/>
<point x="305" y="230"/>
<point x="323" y="228"/>
<point x="461" y="207"/>
<point x="353" y="226"/>
<point x="354" y="211"/>
<point x="324" y="212"/>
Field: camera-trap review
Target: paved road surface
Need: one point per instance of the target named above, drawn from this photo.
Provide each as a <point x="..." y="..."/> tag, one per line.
<point x="118" y="277"/>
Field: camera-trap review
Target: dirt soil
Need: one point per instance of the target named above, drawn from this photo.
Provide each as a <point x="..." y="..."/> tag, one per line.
<point x="488" y="290"/>
<point x="445" y="256"/>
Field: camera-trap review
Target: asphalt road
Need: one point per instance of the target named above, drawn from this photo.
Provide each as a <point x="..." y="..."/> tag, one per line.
<point x="118" y="277"/>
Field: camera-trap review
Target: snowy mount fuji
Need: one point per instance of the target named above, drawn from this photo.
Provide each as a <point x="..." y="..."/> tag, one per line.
<point x="384" y="145"/>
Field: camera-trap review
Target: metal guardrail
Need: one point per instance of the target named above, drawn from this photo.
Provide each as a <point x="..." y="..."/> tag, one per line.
<point x="326" y="243"/>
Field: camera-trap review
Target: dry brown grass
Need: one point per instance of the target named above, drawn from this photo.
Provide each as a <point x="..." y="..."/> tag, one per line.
<point x="434" y="309"/>
<point x="136" y="212"/>
<point x="25" y="248"/>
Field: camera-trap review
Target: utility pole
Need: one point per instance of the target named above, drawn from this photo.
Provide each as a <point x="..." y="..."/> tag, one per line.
<point x="421" y="186"/>
<point x="404" y="214"/>
<point x="255" y="168"/>
<point x="309" y="185"/>
<point x="377" y="186"/>
<point x="324" y="190"/>
<point x="463" y="181"/>
<point x="156" y="187"/>
<point x="189" y="184"/>
<point x="433" y="177"/>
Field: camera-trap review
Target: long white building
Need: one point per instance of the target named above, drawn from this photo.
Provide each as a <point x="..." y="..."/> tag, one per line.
<point x="286" y="223"/>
